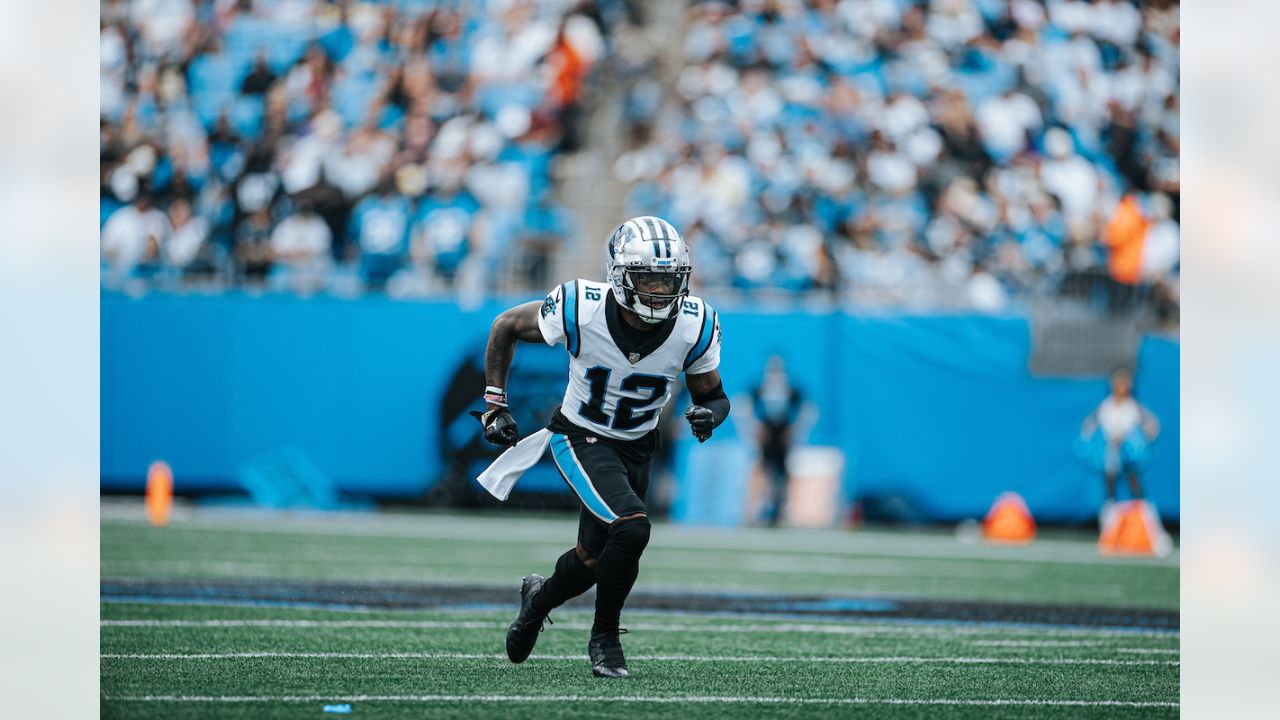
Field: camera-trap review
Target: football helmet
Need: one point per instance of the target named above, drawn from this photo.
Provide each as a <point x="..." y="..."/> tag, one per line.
<point x="648" y="268"/>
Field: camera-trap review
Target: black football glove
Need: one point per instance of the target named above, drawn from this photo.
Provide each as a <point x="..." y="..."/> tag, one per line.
<point x="701" y="420"/>
<point x="499" y="426"/>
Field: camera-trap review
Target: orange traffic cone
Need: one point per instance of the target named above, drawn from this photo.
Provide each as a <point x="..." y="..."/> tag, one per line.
<point x="159" y="493"/>
<point x="1009" y="521"/>
<point x="1134" y="529"/>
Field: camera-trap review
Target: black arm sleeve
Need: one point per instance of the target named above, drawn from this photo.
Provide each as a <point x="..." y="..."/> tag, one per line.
<point x="715" y="401"/>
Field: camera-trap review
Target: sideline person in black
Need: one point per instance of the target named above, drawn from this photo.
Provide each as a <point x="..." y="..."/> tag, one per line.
<point x="776" y="404"/>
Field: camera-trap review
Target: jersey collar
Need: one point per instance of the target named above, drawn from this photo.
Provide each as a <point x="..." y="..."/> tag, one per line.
<point x="631" y="341"/>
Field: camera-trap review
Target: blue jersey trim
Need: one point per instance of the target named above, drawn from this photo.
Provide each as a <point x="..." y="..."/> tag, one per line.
<point x="567" y="463"/>
<point x="571" y="334"/>
<point x="705" y="335"/>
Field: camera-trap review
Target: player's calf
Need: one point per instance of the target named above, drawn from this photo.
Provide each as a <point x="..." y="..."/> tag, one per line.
<point x="616" y="571"/>
<point x="538" y="597"/>
<point x="573" y="576"/>
<point x="617" y="568"/>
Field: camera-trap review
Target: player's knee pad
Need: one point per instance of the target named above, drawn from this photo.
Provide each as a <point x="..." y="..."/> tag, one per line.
<point x="630" y="535"/>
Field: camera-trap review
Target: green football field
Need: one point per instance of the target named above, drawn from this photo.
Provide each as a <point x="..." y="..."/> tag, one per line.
<point x="237" y="614"/>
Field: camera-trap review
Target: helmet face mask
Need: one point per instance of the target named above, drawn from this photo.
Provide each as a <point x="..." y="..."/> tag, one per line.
<point x="654" y="295"/>
<point x="648" y="268"/>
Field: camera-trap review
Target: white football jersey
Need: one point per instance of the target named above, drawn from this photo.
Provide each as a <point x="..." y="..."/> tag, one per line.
<point x="617" y="392"/>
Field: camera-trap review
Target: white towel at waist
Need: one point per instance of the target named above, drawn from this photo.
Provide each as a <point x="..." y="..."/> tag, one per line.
<point x="502" y="474"/>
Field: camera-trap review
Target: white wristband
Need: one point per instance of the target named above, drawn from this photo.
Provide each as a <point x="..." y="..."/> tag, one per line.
<point x="495" y="396"/>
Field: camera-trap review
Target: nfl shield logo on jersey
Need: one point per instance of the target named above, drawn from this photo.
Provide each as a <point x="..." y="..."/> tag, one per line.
<point x="633" y="358"/>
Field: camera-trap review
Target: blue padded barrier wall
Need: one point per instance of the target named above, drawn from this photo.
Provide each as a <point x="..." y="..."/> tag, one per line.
<point x="936" y="412"/>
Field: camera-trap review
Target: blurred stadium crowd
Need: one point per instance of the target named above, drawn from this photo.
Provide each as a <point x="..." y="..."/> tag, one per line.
<point x="315" y="145"/>
<point x="947" y="152"/>
<point x="926" y="153"/>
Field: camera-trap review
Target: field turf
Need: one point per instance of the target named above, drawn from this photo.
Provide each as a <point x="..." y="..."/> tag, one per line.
<point x="175" y="643"/>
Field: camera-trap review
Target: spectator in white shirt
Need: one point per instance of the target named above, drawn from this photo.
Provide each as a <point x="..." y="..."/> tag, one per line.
<point x="133" y="236"/>
<point x="1004" y="121"/>
<point x="1069" y="176"/>
<point x="1117" y="22"/>
<point x="953" y="22"/>
<point x="902" y="116"/>
<point x="190" y="231"/>
<point x="300" y="250"/>
<point x="983" y="291"/>
<point x="1160" y="247"/>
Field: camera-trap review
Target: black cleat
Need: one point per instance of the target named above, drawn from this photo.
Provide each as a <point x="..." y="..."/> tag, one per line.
<point x="523" y="633"/>
<point x="605" y="651"/>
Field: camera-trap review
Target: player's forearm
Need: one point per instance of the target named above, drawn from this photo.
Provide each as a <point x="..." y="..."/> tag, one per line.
<point x="715" y="401"/>
<point x="518" y="323"/>
<point x="706" y="390"/>
<point x="711" y="405"/>
<point x="499" y="352"/>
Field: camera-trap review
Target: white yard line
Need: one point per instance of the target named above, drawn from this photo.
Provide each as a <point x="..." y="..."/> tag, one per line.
<point x="1073" y="644"/>
<point x="668" y="699"/>
<point x="906" y="630"/>
<point x="406" y="624"/>
<point x="1037" y="643"/>
<point x="880" y="660"/>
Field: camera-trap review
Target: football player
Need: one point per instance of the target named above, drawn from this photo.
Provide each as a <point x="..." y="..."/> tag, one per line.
<point x="629" y="339"/>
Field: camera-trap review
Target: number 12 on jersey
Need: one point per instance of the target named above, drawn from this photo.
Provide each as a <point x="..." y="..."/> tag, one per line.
<point x="631" y="412"/>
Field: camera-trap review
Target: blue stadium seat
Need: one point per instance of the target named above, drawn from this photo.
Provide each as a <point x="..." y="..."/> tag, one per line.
<point x="352" y="96"/>
<point x="246" y="116"/>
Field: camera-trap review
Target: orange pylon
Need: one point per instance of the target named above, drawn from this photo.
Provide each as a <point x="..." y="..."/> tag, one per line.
<point x="1133" y="529"/>
<point x="1009" y="521"/>
<point x="159" y="493"/>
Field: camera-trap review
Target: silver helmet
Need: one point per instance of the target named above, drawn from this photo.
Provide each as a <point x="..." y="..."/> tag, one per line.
<point x="648" y="268"/>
